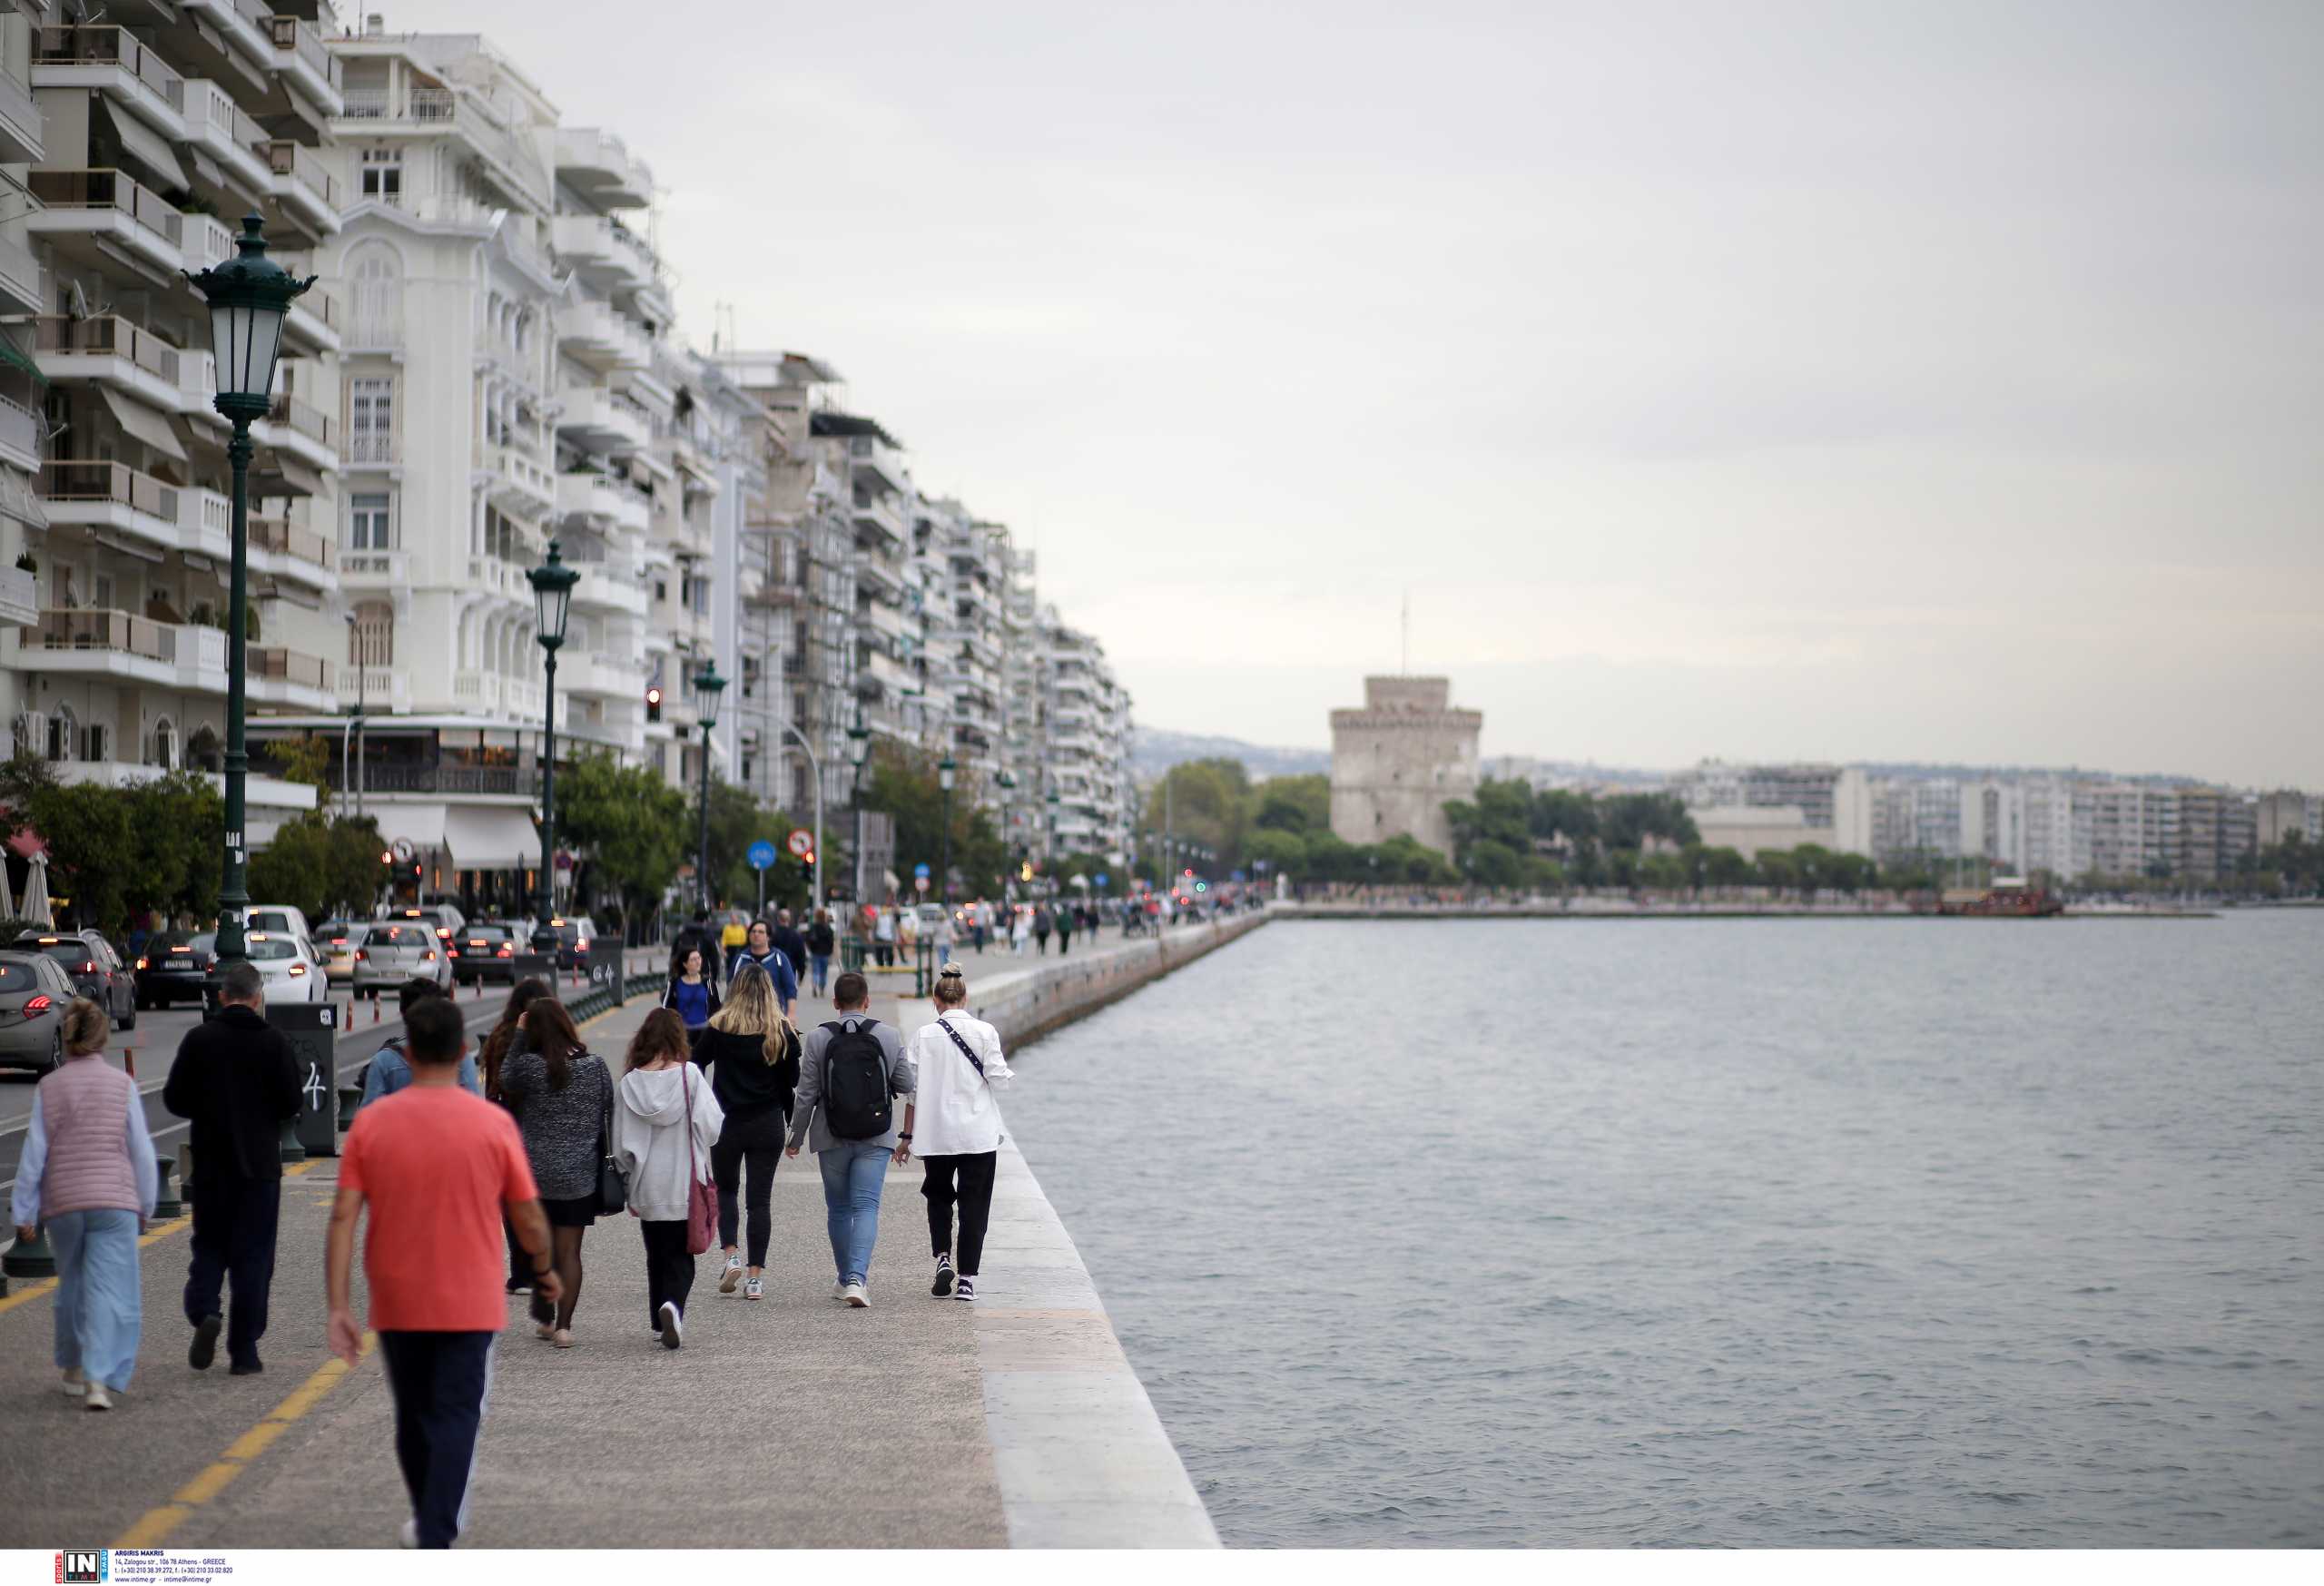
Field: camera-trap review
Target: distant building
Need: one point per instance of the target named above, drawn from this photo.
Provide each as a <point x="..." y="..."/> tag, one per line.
<point x="1400" y="760"/>
<point x="1834" y="804"/>
<point x="2279" y="815"/>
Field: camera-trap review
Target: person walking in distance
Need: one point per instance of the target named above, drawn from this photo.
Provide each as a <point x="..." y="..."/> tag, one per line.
<point x="758" y="947"/>
<point x="697" y="934"/>
<point x="433" y="1166"/>
<point x="1043" y="923"/>
<point x="1065" y="917"/>
<point x="561" y="1096"/>
<point x="1020" y="929"/>
<point x="388" y="1071"/>
<point x="822" y="943"/>
<point x="235" y="1080"/>
<point x="87" y="1172"/>
<point x="665" y="1121"/>
<point x="791" y="945"/>
<point x="752" y="1054"/>
<point x="883" y="936"/>
<point x="691" y="995"/>
<point x="506" y="1039"/>
<point x="851" y="1070"/>
<point x="954" y="1118"/>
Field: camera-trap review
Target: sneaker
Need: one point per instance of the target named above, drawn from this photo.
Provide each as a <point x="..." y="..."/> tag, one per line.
<point x="205" y="1343"/>
<point x="409" y="1536"/>
<point x="967" y="1291"/>
<point x="96" y="1398"/>
<point x="562" y="1338"/>
<point x="854" y="1295"/>
<point x="943" y="1284"/>
<point x="75" y="1384"/>
<point x="672" y="1328"/>
<point x="839" y="1289"/>
<point x="731" y="1275"/>
<point x="251" y="1368"/>
<point x="756" y="1289"/>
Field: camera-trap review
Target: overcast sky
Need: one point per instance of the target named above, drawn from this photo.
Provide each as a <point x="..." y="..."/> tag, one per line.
<point x="1855" y="380"/>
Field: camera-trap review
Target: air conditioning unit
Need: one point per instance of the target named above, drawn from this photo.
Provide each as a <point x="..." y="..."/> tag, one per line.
<point x="31" y="730"/>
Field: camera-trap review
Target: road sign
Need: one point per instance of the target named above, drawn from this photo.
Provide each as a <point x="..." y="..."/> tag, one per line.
<point x="922" y="873"/>
<point x="402" y="849"/>
<point x="801" y="841"/>
<point x="921" y="880"/>
<point x="1101" y="881"/>
<point x="762" y="855"/>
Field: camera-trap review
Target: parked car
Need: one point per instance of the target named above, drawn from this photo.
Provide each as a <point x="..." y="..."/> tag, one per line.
<point x="443" y="918"/>
<point x="174" y="966"/>
<point x="393" y="951"/>
<point x="290" y="967"/>
<point x="276" y="920"/>
<point x="486" y="951"/>
<point x="335" y="940"/>
<point x="34" y="992"/>
<point x="96" y="970"/>
<point x="576" y="938"/>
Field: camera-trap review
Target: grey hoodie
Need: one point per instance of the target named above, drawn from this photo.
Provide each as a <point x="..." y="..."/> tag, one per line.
<point x="650" y="1137"/>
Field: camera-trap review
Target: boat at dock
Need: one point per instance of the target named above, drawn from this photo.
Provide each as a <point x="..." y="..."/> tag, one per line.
<point x="2008" y="898"/>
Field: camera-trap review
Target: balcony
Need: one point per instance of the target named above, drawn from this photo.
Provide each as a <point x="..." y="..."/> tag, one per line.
<point x="305" y="189"/>
<point x="22" y="132"/>
<point x="492" y="576"/>
<point x="22" y="290"/>
<point x="594" y="334"/>
<point x="512" y="781"/>
<point x="380" y="568"/>
<point x="375" y="688"/>
<point x="312" y="325"/>
<point x="306" y="64"/>
<point x="113" y="61"/>
<point x="115" y="351"/>
<point x="372" y="448"/>
<point x="19" y="598"/>
<point x="419" y="111"/>
<point x="602" y="591"/>
<point x="306" y="432"/>
<point x="603" y="498"/>
<point x="216" y="126"/>
<point x="601" y="675"/>
<point x="608" y="254"/>
<point x="114" y="644"/>
<point x="290" y="550"/>
<point x="89" y="214"/>
<point x="20" y="435"/>
<point x="879" y="523"/>
<point x="599" y="166"/>
<point x="284" y="676"/>
<point x="107" y="495"/>
<point x="514" y="476"/>
<point x="242" y="21"/>
<point x="602" y="422"/>
<point x="871" y="454"/>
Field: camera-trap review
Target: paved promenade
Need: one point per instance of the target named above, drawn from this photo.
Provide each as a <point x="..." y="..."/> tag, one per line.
<point x="792" y="1422"/>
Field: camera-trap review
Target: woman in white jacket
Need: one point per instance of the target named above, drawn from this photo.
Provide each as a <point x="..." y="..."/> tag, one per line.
<point x="660" y="1158"/>
<point x="954" y="1125"/>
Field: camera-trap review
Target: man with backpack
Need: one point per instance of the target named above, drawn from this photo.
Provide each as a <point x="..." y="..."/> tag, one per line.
<point x="851" y="1074"/>
<point x="389" y="1070"/>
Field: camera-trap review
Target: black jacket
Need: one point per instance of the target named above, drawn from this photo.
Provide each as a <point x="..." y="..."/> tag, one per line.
<point x="821" y="940"/>
<point x="235" y="1080"/>
<point x="741" y="1078"/>
<point x="792" y="946"/>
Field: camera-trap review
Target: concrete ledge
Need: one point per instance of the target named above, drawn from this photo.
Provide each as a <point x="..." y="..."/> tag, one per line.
<point x="1024" y="1006"/>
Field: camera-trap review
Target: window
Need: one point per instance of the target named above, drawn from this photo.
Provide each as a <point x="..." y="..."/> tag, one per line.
<point x="371" y="637"/>
<point x="370" y="521"/>
<point x="383" y="175"/>
<point x="371" y="418"/>
<point x="378" y="296"/>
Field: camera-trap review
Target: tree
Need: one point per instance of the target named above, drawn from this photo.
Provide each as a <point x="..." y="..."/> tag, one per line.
<point x="88" y="830"/>
<point x="904" y="783"/>
<point x="1778" y="870"/>
<point x="630" y="824"/>
<point x="177" y="833"/>
<point x="1208" y="801"/>
<point x="1296" y="805"/>
<point x="1491" y="863"/>
<point x="1281" y="851"/>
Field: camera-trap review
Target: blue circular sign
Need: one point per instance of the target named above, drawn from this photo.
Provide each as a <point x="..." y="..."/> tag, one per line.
<point x="1101" y="878"/>
<point x="762" y="855"/>
<point x="920" y="869"/>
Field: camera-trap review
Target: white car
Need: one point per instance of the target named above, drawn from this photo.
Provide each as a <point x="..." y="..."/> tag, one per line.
<point x="276" y="920"/>
<point x="292" y="969"/>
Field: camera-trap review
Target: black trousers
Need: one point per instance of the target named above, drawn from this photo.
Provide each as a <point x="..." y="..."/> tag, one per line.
<point x="754" y="1141"/>
<point x="234" y="1220"/>
<point x="669" y="1268"/>
<point x="440" y="1381"/>
<point x="964" y="1181"/>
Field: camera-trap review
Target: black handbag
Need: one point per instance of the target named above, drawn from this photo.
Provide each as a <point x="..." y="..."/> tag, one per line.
<point x="612" y="1191"/>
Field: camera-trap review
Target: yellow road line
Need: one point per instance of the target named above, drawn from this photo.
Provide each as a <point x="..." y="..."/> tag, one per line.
<point x="47" y="1285"/>
<point x="156" y="1524"/>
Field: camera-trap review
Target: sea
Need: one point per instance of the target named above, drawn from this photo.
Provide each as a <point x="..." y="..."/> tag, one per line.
<point x="1797" y="1233"/>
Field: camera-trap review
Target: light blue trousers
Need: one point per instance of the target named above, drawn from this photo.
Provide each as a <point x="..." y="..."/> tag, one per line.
<point x="98" y="1307"/>
<point x="854" y="1174"/>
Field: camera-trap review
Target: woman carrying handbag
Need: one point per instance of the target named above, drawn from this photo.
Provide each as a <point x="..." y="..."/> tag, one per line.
<point x="663" y="1128"/>
<point x="559" y="1092"/>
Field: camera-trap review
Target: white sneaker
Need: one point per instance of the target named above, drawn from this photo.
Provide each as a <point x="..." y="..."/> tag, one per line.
<point x="756" y="1289"/>
<point x="731" y="1276"/>
<point x="75" y="1384"/>
<point x="854" y="1295"/>
<point x="408" y="1537"/>
<point x="96" y="1398"/>
<point x="674" y="1329"/>
<point x="839" y="1289"/>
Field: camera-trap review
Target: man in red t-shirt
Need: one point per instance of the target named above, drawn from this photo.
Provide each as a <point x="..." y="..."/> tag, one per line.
<point x="436" y="1164"/>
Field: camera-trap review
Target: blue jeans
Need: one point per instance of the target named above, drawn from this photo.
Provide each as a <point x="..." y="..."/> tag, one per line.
<point x="98" y="1309"/>
<point x="821" y="963"/>
<point x="855" y="1172"/>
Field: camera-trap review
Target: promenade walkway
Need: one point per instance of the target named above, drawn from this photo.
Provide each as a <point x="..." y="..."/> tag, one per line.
<point x="792" y="1422"/>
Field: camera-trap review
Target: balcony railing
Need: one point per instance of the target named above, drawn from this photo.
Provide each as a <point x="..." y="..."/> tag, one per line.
<point x="308" y="421"/>
<point x="105" y="630"/>
<point x="20" y="427"/>
<point x="451" y="779"/>
<point x="285" y="537"/>
<point x="295" y="37"/>
<point x="369" y="446"/>
<point x="108" y="334"/>
<point x="288" y="666"/>
<point x="98" y="190"/>
<point x="209" y="107"/>
<point x="285" y="158"/>
<point x="110" y="46"/>
<point x="76" y="480"/>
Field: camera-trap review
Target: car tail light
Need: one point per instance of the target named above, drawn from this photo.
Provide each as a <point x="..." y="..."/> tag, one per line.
<point x="39" y="1002"/>
<point x="298" y="968"/>
<point x="339" y="942"/>
<point x="141" y="963"/>
<point x="445" y="932"/>
<point x="453" y="951"/>
<point x="85" y="968"/>
<point x="506" y="952"/>
<point x="429" y="957"/>
<point x="362" y="956"/>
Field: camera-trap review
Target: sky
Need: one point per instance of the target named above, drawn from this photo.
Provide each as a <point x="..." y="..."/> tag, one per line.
<point x="1852" y="380"/>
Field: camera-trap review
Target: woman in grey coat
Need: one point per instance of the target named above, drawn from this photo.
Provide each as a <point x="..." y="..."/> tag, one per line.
<point x="560" y="1095"/>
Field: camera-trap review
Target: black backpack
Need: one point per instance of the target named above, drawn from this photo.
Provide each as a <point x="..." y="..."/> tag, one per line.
<point x="857" y="1105"/>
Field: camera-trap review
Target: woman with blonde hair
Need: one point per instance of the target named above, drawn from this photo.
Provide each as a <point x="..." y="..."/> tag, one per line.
<point x="753" y="1053"/>
<point x="87" y="1173"/>
<point x="953" y="1125"/>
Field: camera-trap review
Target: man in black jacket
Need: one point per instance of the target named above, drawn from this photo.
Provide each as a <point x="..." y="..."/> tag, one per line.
<point x="791" y="945"/>
<point x="235" y="1080"/>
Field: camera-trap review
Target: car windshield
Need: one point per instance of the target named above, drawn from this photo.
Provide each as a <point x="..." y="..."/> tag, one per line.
<point x="66" y="952"/>
<point x="268" y="951"/>
<point x="15" y="975"/>
<point x="488" y="933"/>
<point x="205" y="942"/>
<point x="395" y="936"/>
<point x="268" y="919"/>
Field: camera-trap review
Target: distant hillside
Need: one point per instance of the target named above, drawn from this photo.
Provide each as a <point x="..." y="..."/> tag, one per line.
<point x="1155" y="751"/>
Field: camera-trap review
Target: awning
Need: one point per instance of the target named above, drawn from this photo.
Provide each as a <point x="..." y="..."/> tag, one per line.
<point x="145" y="424"/>
<point x="147" y="148"/>
<point x="17" y="358"/>
<point x="205" y="167"/>
<point x="421" y="825"/>
<point x="273" y="474"/>
<point x="18" y="501"/>
<point x="491" y="837"/>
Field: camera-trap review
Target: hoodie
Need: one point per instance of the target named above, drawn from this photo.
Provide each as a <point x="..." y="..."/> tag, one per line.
<point x="650" y="1137"/>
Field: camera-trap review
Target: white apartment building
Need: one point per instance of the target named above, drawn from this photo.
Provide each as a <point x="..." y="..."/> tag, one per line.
<point x="131" y="136"/>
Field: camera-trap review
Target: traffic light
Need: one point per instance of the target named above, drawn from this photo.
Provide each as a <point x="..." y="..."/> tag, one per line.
<point x="654" y="704"/>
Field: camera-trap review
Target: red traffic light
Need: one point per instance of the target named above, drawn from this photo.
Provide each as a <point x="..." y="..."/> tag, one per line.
<point x="386" y="858"/>
<point x="654" y="704"/>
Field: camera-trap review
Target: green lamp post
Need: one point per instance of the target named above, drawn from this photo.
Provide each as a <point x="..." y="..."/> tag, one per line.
<point x="946" y="771"/>
<point x="859" y="748"/>
<point x="248" y="295"/>
<point x="708" y="687"/>
<point x="552" y="584"/>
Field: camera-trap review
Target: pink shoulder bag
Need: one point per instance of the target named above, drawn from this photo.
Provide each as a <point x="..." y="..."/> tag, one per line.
<point x="702" y="1197"/>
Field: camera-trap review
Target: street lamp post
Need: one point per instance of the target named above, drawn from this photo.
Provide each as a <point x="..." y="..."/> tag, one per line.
<point x="552" y="584"/>
<point x="248" y="295"/>
<point x="859" y="746"/>
<point x="945" y="771"/>
<point x="709" y="685"/>
<point x="816" y="770"/>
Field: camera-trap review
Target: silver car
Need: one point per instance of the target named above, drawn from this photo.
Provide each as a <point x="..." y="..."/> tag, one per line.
<point x="391" y="952"/>
<point x="35" y="990"/>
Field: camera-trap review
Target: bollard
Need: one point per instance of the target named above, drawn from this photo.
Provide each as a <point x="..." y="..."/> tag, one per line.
<point x="166" y="1203"/>
<point x="375" y="1007"/>
<point x="287" y="1149"/>
<point x="350" y="1096"/>
<point x="30" y="1260"/>
<point x="129" y="1060"/>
